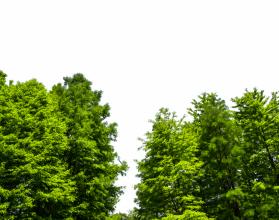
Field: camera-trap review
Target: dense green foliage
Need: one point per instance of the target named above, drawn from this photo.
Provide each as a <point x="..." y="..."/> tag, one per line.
<point x="257" y="116"/>
<point x="56" y="157"/>
<point x="90" y="156"/>
<point x="169" y="170"/>
<point x="221" y="165"/>
<point x="219" y="150"/>
<point x="57" y="160"/>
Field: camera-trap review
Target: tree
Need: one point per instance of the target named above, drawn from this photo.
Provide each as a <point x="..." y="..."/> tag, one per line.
<point x="169" y="170"/>
<point x="56" y="157"/>
<point x="35" y="182"/>
<point x="257" y="115"/>
<point x="219" y="150"/>
<point x="90" y="156"/>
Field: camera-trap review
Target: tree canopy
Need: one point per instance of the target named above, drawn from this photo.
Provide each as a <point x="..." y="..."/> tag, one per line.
<point x="223" y="164"/>
<point x="57" y="161"/>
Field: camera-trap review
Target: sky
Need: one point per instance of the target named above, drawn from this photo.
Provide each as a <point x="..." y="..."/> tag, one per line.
<point x="143" y="55"/>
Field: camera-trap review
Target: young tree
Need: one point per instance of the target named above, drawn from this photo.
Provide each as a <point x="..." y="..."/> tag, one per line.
<point x="35" y="182"/>
<point x="90" y="157"/>
<point x="169" y="170"/>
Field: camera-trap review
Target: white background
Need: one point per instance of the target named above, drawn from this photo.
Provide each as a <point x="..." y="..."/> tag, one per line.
<point x="143" y="54"/>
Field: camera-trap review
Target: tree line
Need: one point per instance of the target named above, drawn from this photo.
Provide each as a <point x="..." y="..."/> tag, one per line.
<point x="223" y="164"/>
<point x="57" y="160"/>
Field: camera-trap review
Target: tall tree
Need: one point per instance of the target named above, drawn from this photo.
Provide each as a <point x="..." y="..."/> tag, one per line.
<point x="35" y="182"/>
<point x="90" y="157"/>
<point x="169" y="170"/>
<point x="219" y="151"/>
<point x="257" y="115"/>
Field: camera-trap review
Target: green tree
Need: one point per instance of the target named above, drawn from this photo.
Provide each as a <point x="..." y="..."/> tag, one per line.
<point x="90" y="156"/>
<point x="169" y="170"/>
<point x="35" y="182"/>
<point x="219" y="150"/>
<point x="257" y="115"/>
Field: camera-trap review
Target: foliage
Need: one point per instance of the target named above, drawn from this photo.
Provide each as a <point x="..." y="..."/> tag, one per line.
<point x="118" y="216"/>
<point x="220" y="152"/>
<point x="56" y="157"/>
<point x="188" y="215"/>
<point x="35" y="182"/>
<point x="57" y="160"/>
<point x="257" y="115"/>
<point x="170" y="169"/>
<point x="90" y="156"/>
<point x="229" y="160"/>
